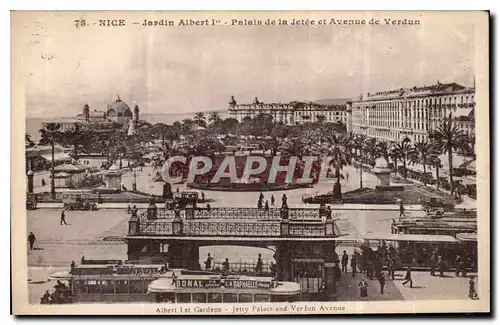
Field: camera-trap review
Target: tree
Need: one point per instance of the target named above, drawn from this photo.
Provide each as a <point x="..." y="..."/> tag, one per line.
<point x="436" y="162"/>
<point x="187" y="126"/>
<point x="77" y="138"/>
<point x="199" y="120"/>
<point x="448" y="137"/>
<point x="339" y="151"/>
<point x="359" y="143"/>
<point x="28" y="143"/>
<point x="401" y="150"/>
<point x="214" y="118"/>
<point x="51" y="135"/>
<point x="160" y="130"/>
<point x="421" y="152"/>
<point x="383" y="149"/>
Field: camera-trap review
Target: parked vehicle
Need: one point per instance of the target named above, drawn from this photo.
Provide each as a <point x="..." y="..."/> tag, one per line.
<point x="77" y="202"/>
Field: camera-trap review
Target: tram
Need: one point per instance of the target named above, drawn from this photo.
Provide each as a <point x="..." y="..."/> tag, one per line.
<point x="182" y="286"/>
<point x="416" y="249"/>
<point x="116" y="282"/>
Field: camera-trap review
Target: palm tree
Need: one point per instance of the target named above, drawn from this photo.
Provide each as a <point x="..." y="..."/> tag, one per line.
<point x="214" y="118"/>
<point x="199" y="120"/>
<point x="402" y="149"/>
<point x="341" y="156"/>
<point x="448" y="137"/>
<point x="421" y="153"/>
<point x="51" y="135"/>
<point x="436" y="162"/>
<point x="359" y="145"/>
<point x="28" y="143"/>
<point x="383" y="149"/>
<point x="187" y="126"/>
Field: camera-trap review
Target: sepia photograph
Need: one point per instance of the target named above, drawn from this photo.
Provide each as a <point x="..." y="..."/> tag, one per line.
<point x="250" y="163"/>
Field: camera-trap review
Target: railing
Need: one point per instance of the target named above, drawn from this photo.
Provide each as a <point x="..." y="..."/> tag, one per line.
<point x="155" y="227"/>
<point x="236" y="229"/>
<point x="238" y="213"/>
<point x="241" y="266"/>
<point x="307" y="229"/>
<point x="303" y="214"/>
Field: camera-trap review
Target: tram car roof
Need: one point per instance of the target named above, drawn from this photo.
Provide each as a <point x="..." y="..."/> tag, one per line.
<point x="412" y="238"/>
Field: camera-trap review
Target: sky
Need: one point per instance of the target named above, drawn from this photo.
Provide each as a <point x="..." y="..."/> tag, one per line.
<point x="179" y="69"/>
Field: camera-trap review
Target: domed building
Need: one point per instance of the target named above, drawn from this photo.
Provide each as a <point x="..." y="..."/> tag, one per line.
<point x="119" y="112"/>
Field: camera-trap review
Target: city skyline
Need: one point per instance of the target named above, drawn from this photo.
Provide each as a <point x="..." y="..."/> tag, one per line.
<point x="173" y="70"/>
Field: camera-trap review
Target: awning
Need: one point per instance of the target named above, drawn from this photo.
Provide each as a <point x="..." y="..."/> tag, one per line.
<point x="58" y="156"/>
<point x="467" y="236"/>
<point x="412" y="238"/>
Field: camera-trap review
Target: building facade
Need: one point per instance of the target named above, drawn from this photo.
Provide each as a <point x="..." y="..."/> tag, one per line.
<point x="116" y="113"/>
<point x="412" y="112"/>
<point x="292" y="113"/>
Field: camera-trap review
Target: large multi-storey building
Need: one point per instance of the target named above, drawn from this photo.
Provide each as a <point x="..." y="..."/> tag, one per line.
<point x="412" y="112"/>
<point x="292" y="113"/>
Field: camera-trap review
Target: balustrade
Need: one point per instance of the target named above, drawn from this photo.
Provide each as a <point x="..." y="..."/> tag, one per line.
<point x="237" y="229"/>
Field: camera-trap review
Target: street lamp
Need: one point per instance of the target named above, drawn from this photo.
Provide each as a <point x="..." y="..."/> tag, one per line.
<point x="134" y="184"/>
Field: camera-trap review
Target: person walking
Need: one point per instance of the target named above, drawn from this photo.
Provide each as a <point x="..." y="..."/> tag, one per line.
<point x="261" y="196"/>
<point x="401" y="209"/>
<point x="381" y="280"/>
<point x="208" y="207"/>
<point x="457" y="265"/>
<point x="225" y="265"/>
<point x="208" y="262"/>
<point x="259" y="204"/>
<point x="259" y="266"/>
<point x="441" y="266"/>
<point x="272" y="199"/>
<point x="31" y="240"/>
<point x="266" y="206"/>
<point x="345" y="260"/>
<point x="432" y="262"/>
<point x="203" y="196"/>
<point x="63" y="218"/>
<point x="391" y="268"/>
<point x="353" y="264"/>
<point x="472" y="288"/>
<point x="408" y="277"/>
<point x="347" y="176"/>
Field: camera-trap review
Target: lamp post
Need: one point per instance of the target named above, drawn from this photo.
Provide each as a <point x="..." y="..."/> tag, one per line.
<point x="134" y="184"/>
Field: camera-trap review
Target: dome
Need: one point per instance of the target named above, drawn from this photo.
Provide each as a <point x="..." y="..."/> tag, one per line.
<point x="119" y="108"/>
<point x="381" y="163"/>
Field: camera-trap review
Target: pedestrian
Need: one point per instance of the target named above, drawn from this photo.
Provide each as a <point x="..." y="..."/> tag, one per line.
<point x="261" y="196"/>
<point x="401" y="209"/>
<point x="457" y="265"/>
<point x="345" y="260"/>
<point x="381" y="280"/>
<point x="472" y="288"/>
<point x="353" y="264"/>
<point x="272" y="199"/>
<point x="43" y="182"/>
<point x="347" y="176"/>
<point x="391" y="268"/>
<point x="432" y="262"/>
<point x="266" y="206"/>
<point x="225" y="265"/>
<point x="31" y="240"/>
<point x="259" y="266"/>
<point x="208" y="207"/>
<point x="63" y="218"/>
<point x="441" y="266"/>
<point x="203" y="196"/>
<point x="259" y="204"/>
<point x="208" y="262"/>
<point x="363" y="288"/>
<point x="408" y="277"/>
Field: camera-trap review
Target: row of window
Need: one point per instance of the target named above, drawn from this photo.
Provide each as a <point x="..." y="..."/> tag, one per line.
<point x="463" y="99"/>
<point x="110" y="286"/>
<point x="202" y="297"/>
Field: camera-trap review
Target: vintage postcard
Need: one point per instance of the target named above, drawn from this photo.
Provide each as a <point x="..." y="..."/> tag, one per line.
<point x="250" y="163"/>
